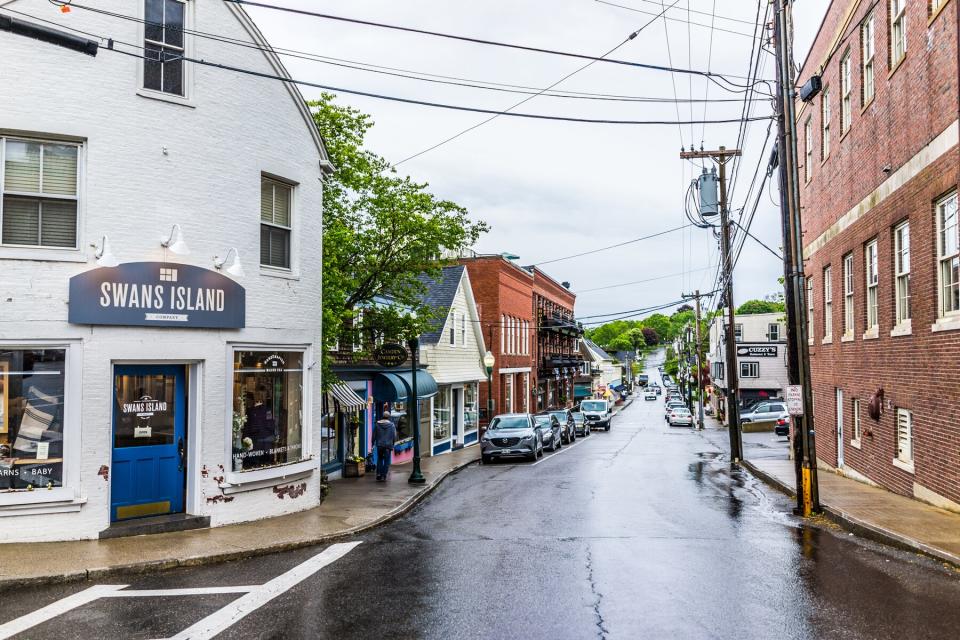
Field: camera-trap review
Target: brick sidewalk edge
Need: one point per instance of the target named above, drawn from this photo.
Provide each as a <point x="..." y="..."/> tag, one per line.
<point x="214" y="558"/>
<point x="859" y="526"/>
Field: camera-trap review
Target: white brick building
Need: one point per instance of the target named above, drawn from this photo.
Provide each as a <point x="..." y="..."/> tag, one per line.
<point x="761" y="356"/>
<point x="217" y="417"/>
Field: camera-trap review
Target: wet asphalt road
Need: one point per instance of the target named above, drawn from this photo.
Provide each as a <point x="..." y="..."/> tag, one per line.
<point x="640" y="532"/>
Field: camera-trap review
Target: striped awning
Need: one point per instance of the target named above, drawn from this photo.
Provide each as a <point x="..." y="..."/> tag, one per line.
<point x="346" y="397"/>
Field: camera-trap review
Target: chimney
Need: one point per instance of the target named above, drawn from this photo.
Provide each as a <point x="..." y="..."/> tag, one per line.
<point x="566" y="285"/>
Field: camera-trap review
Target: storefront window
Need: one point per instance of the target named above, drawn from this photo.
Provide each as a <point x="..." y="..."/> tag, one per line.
<point x="267" y="409"/>
<point x="31" y="418"/>
<point x="471" y="407"/>
<point x="402" y="419"/>
<point x="441" y="414"/>
<point x="508" y="393"/>
<point x="329" y="434"/>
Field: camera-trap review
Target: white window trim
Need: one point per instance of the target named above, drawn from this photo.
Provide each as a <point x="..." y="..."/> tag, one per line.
<point x="849" y="313"/>
<point x="356" y="338"/>
<point x="857" y="425"/>
<point x="941" y="314"/>
<point x="773" y="325"/>
<point x="810" y="311"/>
<point x="903" y="325"/>
<point x="808" y="149"/>
<point x="901" y="463"/>
<point x="868" y="61"/>
<point x="872" y="281"/>
<point x="70" y="496"/>
<point x="187" y="99"/>
<point x="828" y="305"/>
<point x="900" y="17"/>
<point x="268" y="476"/>
<point x="452" y="329"/>
<point x="749" y="364"/>
<point x="825" y="122"/>
<point x="291" y="229"/>
<point x="846" y="93"/>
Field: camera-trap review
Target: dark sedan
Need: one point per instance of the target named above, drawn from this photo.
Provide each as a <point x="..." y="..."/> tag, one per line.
<point x="551" y="430"/>
<point x="568" y="428"/>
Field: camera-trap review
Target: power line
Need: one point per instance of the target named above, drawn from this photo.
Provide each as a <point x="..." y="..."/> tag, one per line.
<point x="627" y="284"/>
<point x="612" y="246"/>
<point x="663" y="305"/>
<point x="702" y="13"/>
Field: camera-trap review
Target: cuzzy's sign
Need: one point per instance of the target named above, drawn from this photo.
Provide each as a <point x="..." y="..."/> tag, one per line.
<point x="157" y="294"/>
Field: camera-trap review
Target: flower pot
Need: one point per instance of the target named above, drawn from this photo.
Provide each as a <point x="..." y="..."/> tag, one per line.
<point x="353" y="469"/>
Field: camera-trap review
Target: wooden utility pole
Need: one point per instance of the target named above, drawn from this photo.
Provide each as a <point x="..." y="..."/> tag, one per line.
<point x="696" y="296"/>
<point x="721" y="157"/>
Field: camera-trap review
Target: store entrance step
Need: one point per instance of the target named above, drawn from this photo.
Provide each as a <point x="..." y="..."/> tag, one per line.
<point x="155" y="524"/>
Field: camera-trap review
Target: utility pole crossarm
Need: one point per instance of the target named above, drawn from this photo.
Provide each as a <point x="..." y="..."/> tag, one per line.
<point x="721" y="154"/>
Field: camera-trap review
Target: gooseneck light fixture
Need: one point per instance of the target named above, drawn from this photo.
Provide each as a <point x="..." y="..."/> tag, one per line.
<point x="235" y="268"/>
<point x="103" y="254"/>
<point x="174" y="242"/>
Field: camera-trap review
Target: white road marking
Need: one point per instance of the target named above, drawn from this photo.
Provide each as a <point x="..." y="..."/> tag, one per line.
<point x="229" y="615"/>
<point x="30" y="620"/>
<point x="554" y="454"/>
<point x="196" y="591"/>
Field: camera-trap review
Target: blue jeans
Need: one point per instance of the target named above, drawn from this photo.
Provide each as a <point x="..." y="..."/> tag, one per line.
<point x="384" y="455"/>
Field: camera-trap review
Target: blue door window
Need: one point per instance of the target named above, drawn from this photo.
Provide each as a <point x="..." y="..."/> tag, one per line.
<point x="149" y="441"/>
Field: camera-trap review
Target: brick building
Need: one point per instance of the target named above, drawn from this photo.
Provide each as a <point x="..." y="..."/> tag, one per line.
<point x="526" y="318"/>
<point x="878" y="189"/>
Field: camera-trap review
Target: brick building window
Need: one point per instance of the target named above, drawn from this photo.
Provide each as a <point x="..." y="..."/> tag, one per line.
<point x="898" y="31"/>
<point x="904" y="436"/>
<point x="810" y="308"/>
<point x="901" y="268"/>
<point x="935" y="6"/>
<point x="827" y="304"/>
<point x="825" y="124"/>
<point x="873" y="280"/>
<point x="856" y="421"/>
<point x="867" y="49"/>
<point x="808" y="149"/>
<point x="848" y="295"/>
<point x="503" y="334"/>
<point x="846" y="111"/>
<point x="948" y="256"/>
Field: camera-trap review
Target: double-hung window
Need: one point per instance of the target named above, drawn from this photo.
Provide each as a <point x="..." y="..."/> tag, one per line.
<point x="738" y="332"/>
<point x="810" y="308"/>
<point x="827" y="303"/>
<point x="773" y="332"/>
<point x="808" y="149"/>
<point x="463" y="328"/>
<point x="163" y="47"/>
<point x="867" y="51"/>
<point x="948" y="256"/>
<point x="848" y="295"/>
<point x="873" y="279"/>
<point x="275" y="224"/>
<point x="453" y="327"/>
<point x="749" y="369"/>
<point x="39" y="187"/>
<point x="898" y="31"/>
<point x="825" y="124"/>
<point x="846" y="101"/>
<point x="857" y="429"/>
<point x="901" y="248"/>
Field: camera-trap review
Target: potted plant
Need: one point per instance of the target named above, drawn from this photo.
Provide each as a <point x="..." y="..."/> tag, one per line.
<point x="354" y="467"/>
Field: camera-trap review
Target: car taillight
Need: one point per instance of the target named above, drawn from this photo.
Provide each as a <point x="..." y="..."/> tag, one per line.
<point x="781" y="422"/>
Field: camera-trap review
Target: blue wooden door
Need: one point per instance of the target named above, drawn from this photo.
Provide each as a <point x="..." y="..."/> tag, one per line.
<point x="149" y="441"/>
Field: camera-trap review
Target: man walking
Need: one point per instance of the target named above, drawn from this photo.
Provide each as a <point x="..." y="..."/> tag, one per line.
<point x="384" y="437"/>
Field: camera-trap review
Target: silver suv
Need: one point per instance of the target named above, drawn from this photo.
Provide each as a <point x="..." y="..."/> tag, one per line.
<point x="512" y="435"/>
<point x="765" y="412"/>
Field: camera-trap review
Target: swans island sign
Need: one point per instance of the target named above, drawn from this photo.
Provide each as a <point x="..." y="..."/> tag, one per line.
<point x="157" y="294"/>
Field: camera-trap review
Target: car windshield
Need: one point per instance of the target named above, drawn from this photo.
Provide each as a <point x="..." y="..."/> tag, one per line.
<point x="561" y="415"/>
<point x="509" y="422"/>
<point x="542" y="419"/>
<point x="681" y="412"/>
<point x="594" y="406"/>
<point x="674" y="404"/>
<point x="578" y="417"/>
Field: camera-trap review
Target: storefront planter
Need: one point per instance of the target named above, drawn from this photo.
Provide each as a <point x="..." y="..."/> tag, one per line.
<point x="403" y="445"/>
<point x="354" y="469"/>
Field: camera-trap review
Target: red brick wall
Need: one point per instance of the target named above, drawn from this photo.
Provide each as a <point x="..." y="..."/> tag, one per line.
<point x="918" y="372"/>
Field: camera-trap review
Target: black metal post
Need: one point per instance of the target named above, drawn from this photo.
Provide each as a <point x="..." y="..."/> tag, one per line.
<point x="416" y="476"/>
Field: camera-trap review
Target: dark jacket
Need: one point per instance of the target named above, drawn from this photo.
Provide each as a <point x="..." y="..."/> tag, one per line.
<point x="384" y="433"/>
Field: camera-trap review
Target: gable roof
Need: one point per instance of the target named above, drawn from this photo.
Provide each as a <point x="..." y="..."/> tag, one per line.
<point x="597" y="350"/>
<point x="439" y="296"/>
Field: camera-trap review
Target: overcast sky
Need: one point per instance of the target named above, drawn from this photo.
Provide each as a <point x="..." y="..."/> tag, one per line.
<point x="551" y="189"/>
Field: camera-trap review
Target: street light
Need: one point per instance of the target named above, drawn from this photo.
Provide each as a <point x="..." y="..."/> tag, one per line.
<point x="488" y="362"/>
<point x="416" y="476"/>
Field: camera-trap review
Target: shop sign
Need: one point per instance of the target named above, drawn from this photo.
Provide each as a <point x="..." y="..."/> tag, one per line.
<point x="390" y="354"/>
<point x="757" y="352"/>
<point x="157" y="294"/>
<point x="144" y="408"/>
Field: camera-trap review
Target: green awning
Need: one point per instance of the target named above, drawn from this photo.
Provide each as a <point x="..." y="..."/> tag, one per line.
<point x="395" y="386"/>
<point x="581" y="390"/>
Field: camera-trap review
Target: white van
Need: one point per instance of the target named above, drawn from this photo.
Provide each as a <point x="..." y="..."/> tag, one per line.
<point x="597" y="413"/>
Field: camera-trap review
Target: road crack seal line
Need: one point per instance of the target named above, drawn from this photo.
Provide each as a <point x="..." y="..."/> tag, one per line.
<point x="602" y="631"/>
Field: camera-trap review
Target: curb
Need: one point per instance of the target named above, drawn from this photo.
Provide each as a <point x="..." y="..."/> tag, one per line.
<point x="172" y="563"/>
<point x="861" y="527"/>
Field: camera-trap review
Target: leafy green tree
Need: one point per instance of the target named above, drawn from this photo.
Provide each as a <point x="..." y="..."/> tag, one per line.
<point x="760" y="306"/>
<point x="381" y="232"/>
<point x="659" y="323"/>
<point x="620" y="343"/>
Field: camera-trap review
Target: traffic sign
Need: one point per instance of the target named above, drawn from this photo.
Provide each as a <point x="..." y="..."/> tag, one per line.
<point x="794" y="398"/>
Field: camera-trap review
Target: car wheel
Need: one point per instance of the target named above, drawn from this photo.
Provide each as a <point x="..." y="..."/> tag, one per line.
<point x="559" y="440"/>
<point x="554" y="444"/>
<point x="485" y="459"/>
<point x="573" y="435"/>
<point x="607" y="428"/>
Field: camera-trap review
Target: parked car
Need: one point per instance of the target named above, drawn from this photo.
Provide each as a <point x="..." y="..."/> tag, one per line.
<point x="580" y="423"/>
<point x="782" y="427"/>
<point x="649" y="394"/>
<point x="567" y="431"/>
<point x="765" y="412"/>
<point x="643" y="379"/>
<point x="670" y="406"/>
<point x="512" y="435"/>
<point x="656" y="388"/>
<point x="680" y="416"/>
<point x="598" y="413"/>
<point x="551" y="430"/>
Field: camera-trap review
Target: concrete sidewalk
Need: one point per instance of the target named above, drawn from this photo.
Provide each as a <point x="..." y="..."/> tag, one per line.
<point x="874" y="512"/>
<point x="353" y="505"/>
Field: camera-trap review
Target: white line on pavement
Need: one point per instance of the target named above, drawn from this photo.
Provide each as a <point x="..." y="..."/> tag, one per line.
<point x="21" y="624"/>
<point x="196" y="591"/>
<point x="229" y="615"/>
<point x="555" y="454"/>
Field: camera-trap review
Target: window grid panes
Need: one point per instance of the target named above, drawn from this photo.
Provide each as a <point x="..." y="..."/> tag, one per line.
<point x="441" y="414"/>
<point x="901" y="242"/>
<point x="827" y="302"/>
<point x="163" y="49"/>
<point x="948" y="242"/>
<point x="856" y="419"/>
<point x="810" y="308"/>
<point x="749" y="369"/>
<point x="275" y="224"/>
<point x="808" y="149"/>
<point x="825" y="125"/>
<point x="866" y="35"/>
<point x="845" y="93"/>
<point x="38" y="206"/>
<point x="898" y="31"/>
<point x="773" y="332"/>
<point x="870" y="261"/>
<point x="848" y="294"/>
<point x="471" y="407"/>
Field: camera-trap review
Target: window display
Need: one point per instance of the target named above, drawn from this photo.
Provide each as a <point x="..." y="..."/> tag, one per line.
<point x="31" y="418"/>
<point x="404" y="428"/>
<point x="441" y="414"/>
<point x="329" y="434"/>
<point x="471" y="408"/>
<point x="267" y="409"/>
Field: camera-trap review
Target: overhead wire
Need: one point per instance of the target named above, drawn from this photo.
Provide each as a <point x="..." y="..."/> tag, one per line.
<point x="688" y="20"/>
<point x="612" y="246"/>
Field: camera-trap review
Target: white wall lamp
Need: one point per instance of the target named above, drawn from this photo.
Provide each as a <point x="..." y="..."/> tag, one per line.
<point x="174" y="242"/>
<point x="104" y="255"/>
<point x="235" y="268"/>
